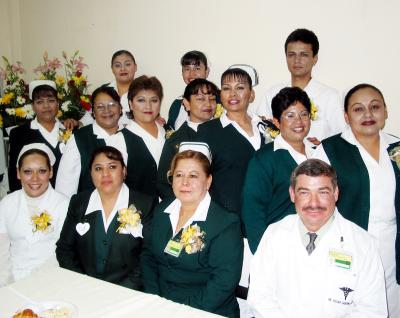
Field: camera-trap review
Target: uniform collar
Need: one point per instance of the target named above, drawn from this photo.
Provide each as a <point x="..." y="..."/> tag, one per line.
<point x="193" y="125"/>
<point x="138" y="130"/>
<point x="100" y="132"/>
<point x="281" y="143"/>
<point x="36" y="125"/>
<point x="386" y="139"/>
<point x="225" y="121"/>
<point x="199" y="215"/>
<point x="96" y="205"/>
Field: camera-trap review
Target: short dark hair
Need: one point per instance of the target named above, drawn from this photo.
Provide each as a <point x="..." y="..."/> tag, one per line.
<point x="189" y="154"/>
<point x="237" y="73"/>
<point x="194" y="58"/>
<point x="287" y="97"/>
<point x="122" y="52"/>
<point x="145" y="83"/>
<point x="202" y="85"/>
<point x="44" y="91"/>
<point x="313" y="168"/>
<point x="305" y="36"/>
<point x="33" y="151"/>
<point x="357" y="88"/>
<point x="108" y="90"/>
<point x="110" y="152"/>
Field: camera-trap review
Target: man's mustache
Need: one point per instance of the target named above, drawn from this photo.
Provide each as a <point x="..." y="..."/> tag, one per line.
<point x="314" y="208"/>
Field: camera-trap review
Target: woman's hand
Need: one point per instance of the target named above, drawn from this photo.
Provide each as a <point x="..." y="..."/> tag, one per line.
<point x="71" y="123"/>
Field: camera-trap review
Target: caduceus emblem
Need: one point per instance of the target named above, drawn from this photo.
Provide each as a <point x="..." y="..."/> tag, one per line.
<point x="346" y="291"/>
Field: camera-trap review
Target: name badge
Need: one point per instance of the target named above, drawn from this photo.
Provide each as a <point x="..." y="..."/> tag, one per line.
<point x="173" y="248"/>
<point x="340" y="259"/>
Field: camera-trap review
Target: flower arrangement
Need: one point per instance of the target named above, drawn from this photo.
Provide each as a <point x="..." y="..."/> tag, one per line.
<point x="41" y="222"/>
<point x="130" y="221"/>
<point x="71" y="89"/>
<point x="13" y="110"/>
<point x="219" y="110"/>
<point x="192" y="239"/>
<point x="314" y="110"/>
<point x="394" y="155"/>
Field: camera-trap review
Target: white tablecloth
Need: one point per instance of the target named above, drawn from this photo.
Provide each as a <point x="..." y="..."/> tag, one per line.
<point x="92" y="297"/>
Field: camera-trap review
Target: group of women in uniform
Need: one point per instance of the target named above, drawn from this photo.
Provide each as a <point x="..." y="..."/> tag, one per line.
<point x="218" y="178"/>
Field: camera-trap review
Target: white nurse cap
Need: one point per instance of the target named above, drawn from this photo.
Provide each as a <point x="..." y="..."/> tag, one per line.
<point x="39" y="146"/>
<point x="36" y="83"/>
<point x="196" y="146"/>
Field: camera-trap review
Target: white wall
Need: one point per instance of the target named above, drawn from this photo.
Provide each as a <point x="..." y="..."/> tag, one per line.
<point x="359" y="38"/>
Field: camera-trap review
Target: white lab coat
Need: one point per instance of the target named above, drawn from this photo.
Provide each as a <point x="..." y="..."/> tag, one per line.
<point x="287" y="282"/>
<point x="21" y="249"/>
<point x="330" y="118"/>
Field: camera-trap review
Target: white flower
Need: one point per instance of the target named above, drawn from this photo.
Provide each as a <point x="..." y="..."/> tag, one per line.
<point x="20" y="100"/>
<point x="65" y="106"/>
<point x="10" y="111"/>
<point x="29" y="111"/>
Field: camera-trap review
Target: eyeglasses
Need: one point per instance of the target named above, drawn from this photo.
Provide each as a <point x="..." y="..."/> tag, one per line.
<point x="103" y="107"/>
<point x="292" y="116"/>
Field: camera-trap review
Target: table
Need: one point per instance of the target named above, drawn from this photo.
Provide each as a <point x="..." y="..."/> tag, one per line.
<point x="92" y="297"/>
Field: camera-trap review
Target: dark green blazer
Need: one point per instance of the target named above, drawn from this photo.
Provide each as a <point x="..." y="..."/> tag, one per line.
<point x="184" y="133"/>
<point x="204" y="280"/>
<point x="19" y="137"/>
<point x="266" y="197"/>
<point x="231" y="153"/>
<point x="174" y="112"/>
<point x="86" y="142"/>
<point x="141" y="167"/>
<point x="78" y="253"/>
<point x="353" y="181"/>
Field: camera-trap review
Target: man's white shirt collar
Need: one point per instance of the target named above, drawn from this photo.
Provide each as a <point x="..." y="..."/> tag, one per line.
<point x="281" y="143"/>
<point x="199" y="215"/>
<point x="96" y="205"/>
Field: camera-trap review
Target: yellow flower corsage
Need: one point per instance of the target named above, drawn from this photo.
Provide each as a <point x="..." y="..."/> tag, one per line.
<point x="169" y="133"/>
<point x="64" y="135"/>
<point x="219" y="110"/>
<point x="41" y="222"/>
<point x="130" y="221"/>
<point x="394" y="155"/>
<point x="314" y="110"/>
<point x="192" y="239"/>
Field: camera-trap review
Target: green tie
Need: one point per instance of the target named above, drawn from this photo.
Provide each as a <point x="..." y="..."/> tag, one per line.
<point x="311" y="246"/>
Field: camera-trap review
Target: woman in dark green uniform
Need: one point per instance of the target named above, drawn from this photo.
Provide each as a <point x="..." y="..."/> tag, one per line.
<point x="200" y="102"/>
<point x="103" y="231"/>
<point x="74" y="171"/>
<point x="233" y="139"/>
<point x="265" y="193"/>
<point x="367" y="162"/>
<point x="194" y="252"/>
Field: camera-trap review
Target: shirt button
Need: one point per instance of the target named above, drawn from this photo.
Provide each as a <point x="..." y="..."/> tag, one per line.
<point x="104" y="242"/>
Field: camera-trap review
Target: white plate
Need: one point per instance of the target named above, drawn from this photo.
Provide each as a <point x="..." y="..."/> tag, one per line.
<point x="53" y="309"/>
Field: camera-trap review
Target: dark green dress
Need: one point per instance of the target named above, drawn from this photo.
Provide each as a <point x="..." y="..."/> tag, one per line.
<point x="110" y="256"/>
<point x="231" y="153"/>
<point x="204" y="280"/>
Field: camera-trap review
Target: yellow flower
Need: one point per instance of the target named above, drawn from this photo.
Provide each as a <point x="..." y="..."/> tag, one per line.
<point x="42" y="77"/>
<point x="60" y="96"/>
<point x="20" y="112"/>
<point x="60" y="80"/>
<point x="1" y="120"/>
<point x="7" y="98"/>
<point x="85" y="99"/>
<point x="314" y="110"/>
<point x="394" y="155"/>
<point x="41" y="222"/>
<point x="219" y="111"/>
<point x="128" y="217"/>
<point x="169" y="133"/>
<point x="64" y="135"/>
<point x="59" y="114"/>
<point x="79" y="79"/>
<point x="273" y="133"/>
<point x="192" y="239"/>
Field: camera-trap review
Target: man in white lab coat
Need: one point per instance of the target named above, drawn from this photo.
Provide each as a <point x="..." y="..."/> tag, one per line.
<point x="316" y="263"/>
